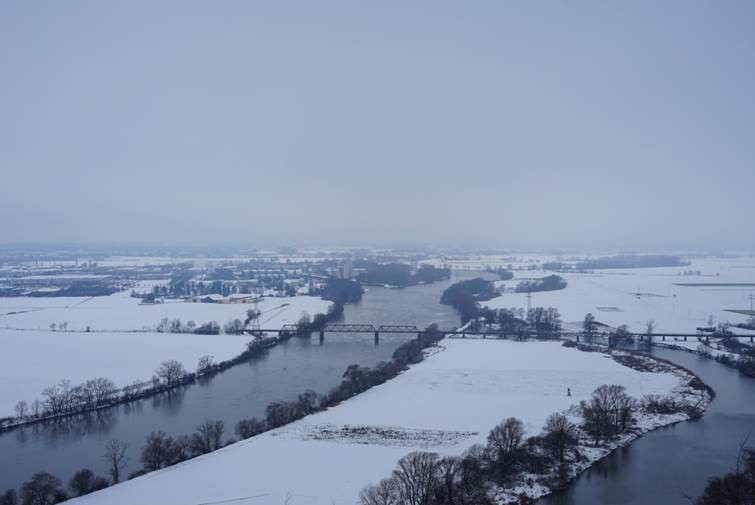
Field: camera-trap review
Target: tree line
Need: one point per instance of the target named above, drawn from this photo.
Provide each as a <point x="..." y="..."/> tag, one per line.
<point x="544" y="322"/>
<point x="159" y="451"/>
<point x="464" y="295"/>
<point x="548" y="283"/>
<point x="400" y="274"/>
<point x="502" y="273"/>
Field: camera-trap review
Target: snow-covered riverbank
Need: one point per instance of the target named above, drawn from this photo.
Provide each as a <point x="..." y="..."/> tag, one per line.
<point x="34" y="359"/>
<point x="444" y="404"/>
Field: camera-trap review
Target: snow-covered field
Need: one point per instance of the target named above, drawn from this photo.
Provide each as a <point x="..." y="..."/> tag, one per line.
<point x="33" y="360"/>
<point x="633" y="296"/>
<point x="121" y="312"/>
<point x="34" y="357"/>
<point x="444" y="404"/>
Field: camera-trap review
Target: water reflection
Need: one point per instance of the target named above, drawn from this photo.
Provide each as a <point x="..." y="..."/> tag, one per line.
<point x="169" y="402"/>
<point x="49" y="432"/>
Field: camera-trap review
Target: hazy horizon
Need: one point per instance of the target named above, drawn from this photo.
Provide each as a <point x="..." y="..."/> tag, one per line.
<point x="590" y="126"/>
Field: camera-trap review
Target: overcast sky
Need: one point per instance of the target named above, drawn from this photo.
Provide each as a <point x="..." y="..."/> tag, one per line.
<point x="519" y="124"/>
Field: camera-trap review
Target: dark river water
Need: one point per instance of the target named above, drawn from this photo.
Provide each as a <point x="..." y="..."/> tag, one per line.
<point x="243" y="391"/>
<point x="662" y="467"/>
<point x="669" y="464"/>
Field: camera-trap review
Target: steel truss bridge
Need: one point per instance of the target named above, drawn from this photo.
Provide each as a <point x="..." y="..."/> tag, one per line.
<point x="294" y="329"/>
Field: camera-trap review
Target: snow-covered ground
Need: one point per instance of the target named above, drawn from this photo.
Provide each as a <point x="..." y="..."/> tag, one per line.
<point x="121" y="312"/>
<point x="444" y="404"/>
<point x="633" y="296"/>
<point x="33" y="360"/>
<point x="34" y="357"/>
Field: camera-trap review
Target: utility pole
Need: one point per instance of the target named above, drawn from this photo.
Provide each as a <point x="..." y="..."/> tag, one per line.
<point x="255" y="322"/>
<point x="529" y="300"/>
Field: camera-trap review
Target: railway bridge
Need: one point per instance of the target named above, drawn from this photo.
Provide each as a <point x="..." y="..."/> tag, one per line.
<point x="413" y="330"/>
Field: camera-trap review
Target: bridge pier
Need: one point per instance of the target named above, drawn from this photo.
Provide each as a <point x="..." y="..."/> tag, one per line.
<point x="377" y="337"/>
<point x="685" y="338"/>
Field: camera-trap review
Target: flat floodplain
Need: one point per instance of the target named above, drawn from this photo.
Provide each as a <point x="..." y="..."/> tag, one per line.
<point x="444" y="404"/>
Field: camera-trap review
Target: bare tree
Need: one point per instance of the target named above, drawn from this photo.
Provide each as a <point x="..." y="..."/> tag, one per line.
<point x="181" y="449"/>
<point x="205" y="363"/>
<point x="559" y="435"/>
<point x="307" y="402"/>
<point x="588" y="325"/>
<point x="383" y="493"/>
<point x="42" y="489"/>
<point x="250" y="427"/>
<point x="449" y="471"/>
<point x="171" y="372"/>
<point x="504" y="442"/>
<point x="85" y="481"/>
<point x="115" y="457"/>
<point x="97" y="392"/>
<point x="208" y="437"/>
<point x="53" y="400"/>
<point x="176" y="326"/>
<point x="163" y="326"/>
<point x="22" y="409"/>
<point x="157" y="452"/>
<point x="608" y="413"/>
<point x="9" y="497"/>
<point x="234" y="327"/>
<point x="415" y="477"/>
<point x="36" y="408"/>
<point x="506" y="438"/>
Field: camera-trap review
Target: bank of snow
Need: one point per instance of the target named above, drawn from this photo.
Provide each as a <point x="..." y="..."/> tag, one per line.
<point x="444" y="404"/>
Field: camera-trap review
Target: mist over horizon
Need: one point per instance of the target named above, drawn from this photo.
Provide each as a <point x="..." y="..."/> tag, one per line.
<point x="510" y="125"/>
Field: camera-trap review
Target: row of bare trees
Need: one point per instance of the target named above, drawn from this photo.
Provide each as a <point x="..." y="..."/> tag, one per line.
<point x="68" y="398"/>
<point x="162" y="450"/>
<point x="65" y="397"/>
<point x="46" y="489"/>
<point x="159" y="451"/>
